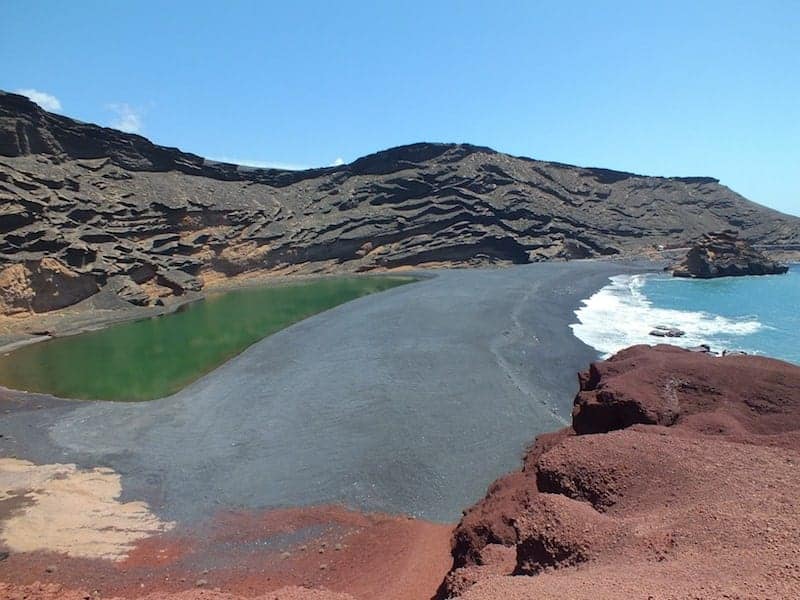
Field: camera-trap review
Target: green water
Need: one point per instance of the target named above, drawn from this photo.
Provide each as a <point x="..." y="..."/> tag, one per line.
<point x="152" y="358"/>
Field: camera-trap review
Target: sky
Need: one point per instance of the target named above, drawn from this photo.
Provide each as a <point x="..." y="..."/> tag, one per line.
<point x="672" y="88"/>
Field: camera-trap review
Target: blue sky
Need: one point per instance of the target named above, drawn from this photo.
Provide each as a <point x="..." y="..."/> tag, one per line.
<point x="682" y="88"/>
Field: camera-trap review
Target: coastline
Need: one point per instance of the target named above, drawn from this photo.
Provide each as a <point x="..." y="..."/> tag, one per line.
<point x="104" y="309"/>
<point x="677" y="471"/>
<point x="735" y="314"/>
<point x="415" y="361"/>
<point x="430" y="411"/>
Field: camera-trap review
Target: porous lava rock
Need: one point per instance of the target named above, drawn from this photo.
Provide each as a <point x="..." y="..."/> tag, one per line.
<point x="679" y="478"/>
<point x="723" y="254"/>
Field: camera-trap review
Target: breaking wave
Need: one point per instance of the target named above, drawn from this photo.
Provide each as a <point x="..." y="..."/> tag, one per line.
<point x="621" y="315"/>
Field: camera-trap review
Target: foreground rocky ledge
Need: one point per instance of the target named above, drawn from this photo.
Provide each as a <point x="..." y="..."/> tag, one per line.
<point x="679" y="478"/>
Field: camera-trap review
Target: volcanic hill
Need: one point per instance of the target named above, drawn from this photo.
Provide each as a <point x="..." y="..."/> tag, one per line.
<point x="84" y="208"/>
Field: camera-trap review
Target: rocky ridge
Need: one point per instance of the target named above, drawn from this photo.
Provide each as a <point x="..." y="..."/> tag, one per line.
<point x="677" y="478"/>
<point x="723" y="254"/>
<point x="110" y="210"/>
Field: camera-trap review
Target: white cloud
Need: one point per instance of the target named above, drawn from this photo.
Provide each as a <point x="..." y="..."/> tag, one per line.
<point x="270" y="164"/>
<point x="43" y="99"/>
<point x="128" y="119"/>
<point x="262" y="164"/>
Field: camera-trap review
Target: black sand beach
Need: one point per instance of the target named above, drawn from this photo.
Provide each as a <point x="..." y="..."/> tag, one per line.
<point x="391" y="403"/>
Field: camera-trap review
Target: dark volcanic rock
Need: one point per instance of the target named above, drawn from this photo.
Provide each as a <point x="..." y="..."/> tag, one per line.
<point x="42" y="285"/>
<point x="107" y="203"/>
<point x="670" y="332"/>
<point x="127" y="289"/>
<point x="723" y="254"/>
<point x="672" y="455"/>
<point x="178" y="281"/>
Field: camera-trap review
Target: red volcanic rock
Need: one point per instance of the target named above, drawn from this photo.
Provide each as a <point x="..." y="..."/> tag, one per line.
<point x="680" y="478"/>
<point x="666" y="384"/>
<point x="491" y="521"/>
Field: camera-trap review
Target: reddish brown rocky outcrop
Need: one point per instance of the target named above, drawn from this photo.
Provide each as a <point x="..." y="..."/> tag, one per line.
<point x="679" y="478"/>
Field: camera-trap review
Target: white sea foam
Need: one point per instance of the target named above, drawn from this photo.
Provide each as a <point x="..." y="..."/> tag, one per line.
<point x="621" y="315"/>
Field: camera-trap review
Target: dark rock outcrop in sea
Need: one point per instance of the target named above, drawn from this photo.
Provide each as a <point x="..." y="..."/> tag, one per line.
<point x="723" y="254"/>
<point x="665" y="331"/>
<point x="678" y="478"/>
<point x="106" y="204"/>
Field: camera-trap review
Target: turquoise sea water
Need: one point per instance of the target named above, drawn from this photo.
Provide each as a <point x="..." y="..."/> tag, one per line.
<point x="760" y="315"/>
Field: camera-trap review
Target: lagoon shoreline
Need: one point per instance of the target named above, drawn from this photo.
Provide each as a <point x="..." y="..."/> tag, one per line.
<point x="387" y="404"/>
<point x="408" y="345"/>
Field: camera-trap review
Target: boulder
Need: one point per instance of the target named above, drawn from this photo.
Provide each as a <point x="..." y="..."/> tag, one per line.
<point x="178" y="281"/>
<point x="42" y="285"/>
<point x="127" y="289"/>
<point x="664" y="331"/>
<point x="723" y="254"/>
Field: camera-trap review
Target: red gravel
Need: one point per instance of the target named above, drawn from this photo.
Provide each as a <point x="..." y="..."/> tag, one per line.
<point x="248" y="554"/>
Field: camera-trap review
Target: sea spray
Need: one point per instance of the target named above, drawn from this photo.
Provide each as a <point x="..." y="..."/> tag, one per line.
<point x="621" y="315"/>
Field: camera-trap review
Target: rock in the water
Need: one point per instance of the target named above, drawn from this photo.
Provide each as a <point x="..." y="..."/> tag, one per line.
<point x="663" y="331"/>
<point x="723" y="254"/>
<point x="734" y="353"/>
<point x="702" y="348"/>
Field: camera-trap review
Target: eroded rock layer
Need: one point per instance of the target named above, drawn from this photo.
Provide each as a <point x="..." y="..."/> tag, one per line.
<point x="155" y="222"/>
<point x="723" y="254"/>
<point x="678" y="478"/>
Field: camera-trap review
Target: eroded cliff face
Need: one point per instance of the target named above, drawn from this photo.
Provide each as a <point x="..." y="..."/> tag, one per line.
<point x="678" y="478"/>
<point x="107" y="204"/>
<point x="723" y="254"/>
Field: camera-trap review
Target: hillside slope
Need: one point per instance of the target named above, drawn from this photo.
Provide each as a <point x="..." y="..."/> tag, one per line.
<point x="82" y="207"/>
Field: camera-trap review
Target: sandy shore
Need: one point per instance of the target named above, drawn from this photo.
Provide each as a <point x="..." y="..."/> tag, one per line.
<point x="410" y="401"/>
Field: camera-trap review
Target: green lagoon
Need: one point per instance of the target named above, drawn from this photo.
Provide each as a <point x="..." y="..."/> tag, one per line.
<point x="152" y="358"/>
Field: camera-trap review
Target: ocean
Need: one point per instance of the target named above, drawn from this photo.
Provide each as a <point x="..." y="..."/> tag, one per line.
<point x="757" y="315"/>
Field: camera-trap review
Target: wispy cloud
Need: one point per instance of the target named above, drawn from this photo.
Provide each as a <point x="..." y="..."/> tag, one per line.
<point x="261" y="164"/>
<point x="43" y="99"/>
<point x="127" y="118"/>
<point x="271" y="164"/>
